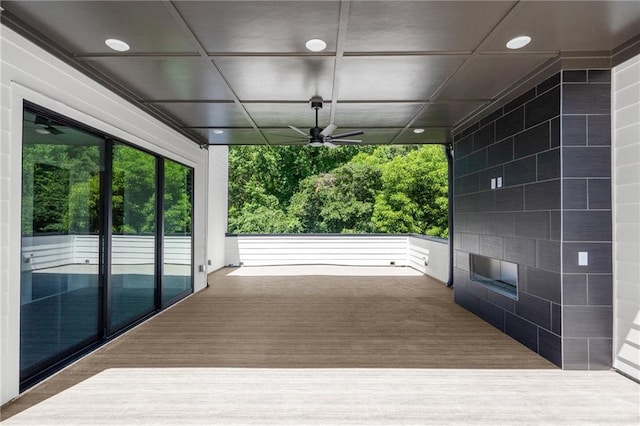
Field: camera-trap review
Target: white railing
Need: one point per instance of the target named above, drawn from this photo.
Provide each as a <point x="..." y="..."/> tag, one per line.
<point x="425" y="254"/>
<point x="49" y="251"/>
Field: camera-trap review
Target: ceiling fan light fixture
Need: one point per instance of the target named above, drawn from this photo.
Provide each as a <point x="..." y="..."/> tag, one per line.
<point x="315" y="144"/>
<point x="117" y="45"/>
<point x="418" y="131"/>
<point x="316" y="45"/>
<point x="43" y="131"/>
<point x="518" y="42"/>
<point x="218" y="131"/>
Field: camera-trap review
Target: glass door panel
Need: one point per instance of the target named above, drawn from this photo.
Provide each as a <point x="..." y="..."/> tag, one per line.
<point x="133" y="242"/>
<point x="61" y="221"/>
<point x="177" y="245"/>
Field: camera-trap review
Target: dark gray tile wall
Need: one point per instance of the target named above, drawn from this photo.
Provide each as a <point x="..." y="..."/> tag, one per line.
<point x="551" y="147"/>
<point x="586" y="221"/>
<point x="520" y="144"/>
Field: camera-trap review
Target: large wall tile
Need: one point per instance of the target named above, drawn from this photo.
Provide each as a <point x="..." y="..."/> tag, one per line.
<point x="532" y="224"/>
<point x="520" y="171"/>
<point x="543" y="195"/>
<point x="520" y="250"/>
<point x="550" y="346"/>
<point x="574" y="130"/>
<point x="484" y="137"/>
<point x="587" y="225"/>
<point x="586" y="99"/>
<point x="543" y="108"/>
<point x="510" y="124"/>
<point x="599" y="130"/>
<point x="574" y="194"/>
<point x="532" y="141"/>
<point x="509" y="199"/>
<point x="599" y="257"/>
<point x="543" y="284"/>
<point x="549" y="165"/>
<point x="534" y="309"/>
<point x="548" y="255"/>
<point x="500" y="153"/>
<point x="574" y="289"/>
<point x="600" y="289"/>
<point x="588" y="162"/>
<point x="587" y="321"/>
<point x="576" y="354"/>
<point x="521" y="330"/>
<point x="599" y="193"/>
<point x="500" y="224"/>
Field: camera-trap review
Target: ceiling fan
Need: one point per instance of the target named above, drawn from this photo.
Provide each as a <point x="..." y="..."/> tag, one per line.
<point x="44" y="126"/>
<point x="325" y="137"/>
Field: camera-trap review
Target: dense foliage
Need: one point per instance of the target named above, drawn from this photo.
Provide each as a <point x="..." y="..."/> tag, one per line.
<point x="369" y="189"/>
<point x="61" y="191"/>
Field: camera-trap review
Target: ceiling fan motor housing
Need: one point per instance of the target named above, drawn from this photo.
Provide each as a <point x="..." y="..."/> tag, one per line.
<point x="316" y="102"/>
<point x="315" y="135"/>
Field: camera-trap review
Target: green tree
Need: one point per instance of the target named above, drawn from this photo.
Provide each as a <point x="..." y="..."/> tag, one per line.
<point x="340" y="201"/>
<point x="414" y="196"/>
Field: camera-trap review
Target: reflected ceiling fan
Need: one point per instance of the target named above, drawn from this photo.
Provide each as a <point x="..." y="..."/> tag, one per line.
<point x="44" y="126"/>
<point x="325" y="137"/>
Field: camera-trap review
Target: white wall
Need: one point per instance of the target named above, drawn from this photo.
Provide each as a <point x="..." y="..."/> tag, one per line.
<point x="29" y="73"/>
<point x="427" y="255"/>
<point x="218" y="203"/>
<point x="626" y="217"/>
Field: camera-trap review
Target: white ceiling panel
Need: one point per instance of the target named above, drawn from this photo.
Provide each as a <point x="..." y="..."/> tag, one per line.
<point x="206" y="114"/>
<point x="394" y="77"/>
<point x="83" y="26"/>
<point x="487" y="76"/>
<point x="288" y="114"/>
<point x="278" y="78"/>
<point x="261" y="26"/>
<point x="377" y="26"/>
<point x="166" y="78"/>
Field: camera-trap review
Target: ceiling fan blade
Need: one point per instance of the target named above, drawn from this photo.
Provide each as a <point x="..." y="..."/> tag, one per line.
<point x="347" y="134"/>
<point x="346" y="140"/>
<point x="330" y="145"/>
<point x="53" y="130"/>
<point x="295" y="129"/>
<point x="328" y="130"/>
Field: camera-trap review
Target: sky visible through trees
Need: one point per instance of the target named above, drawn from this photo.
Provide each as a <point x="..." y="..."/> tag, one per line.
<point x="352" y="189"/>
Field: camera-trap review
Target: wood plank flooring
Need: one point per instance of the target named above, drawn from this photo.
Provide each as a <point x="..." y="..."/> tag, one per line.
<point x="286" y="319"/>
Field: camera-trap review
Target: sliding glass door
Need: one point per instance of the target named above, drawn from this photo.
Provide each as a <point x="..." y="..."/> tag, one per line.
<point x="61" y="222"/>
<point x="106" y="239"/>
<point x="133" y="237"/>
<point x="177" y="245"/>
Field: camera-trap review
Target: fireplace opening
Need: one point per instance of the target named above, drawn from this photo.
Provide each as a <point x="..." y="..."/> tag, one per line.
<point x="497" y="275"/>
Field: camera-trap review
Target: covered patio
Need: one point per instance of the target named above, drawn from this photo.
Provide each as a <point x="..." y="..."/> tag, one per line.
<point x="321" y="344"/>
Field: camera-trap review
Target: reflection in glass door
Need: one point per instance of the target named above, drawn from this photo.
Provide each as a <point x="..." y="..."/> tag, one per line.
<point x="61" y="220"/>
<point x="177" y="246"/>
<point x="133" y="240"/>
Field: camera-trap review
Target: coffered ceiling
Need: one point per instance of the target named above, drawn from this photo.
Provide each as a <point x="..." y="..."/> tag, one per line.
<point x="389" y="67"/>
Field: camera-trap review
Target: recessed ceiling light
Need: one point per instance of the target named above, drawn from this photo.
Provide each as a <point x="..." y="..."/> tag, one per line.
<point x="117" y="45"/>
<point x="316" y="45"/>
<point x="518" y="42"/>
<point x="418" y="131"/>
<point x="218" y="131"/>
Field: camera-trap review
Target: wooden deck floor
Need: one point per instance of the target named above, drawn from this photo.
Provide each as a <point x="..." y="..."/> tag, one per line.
<point x="400" y="320"/>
